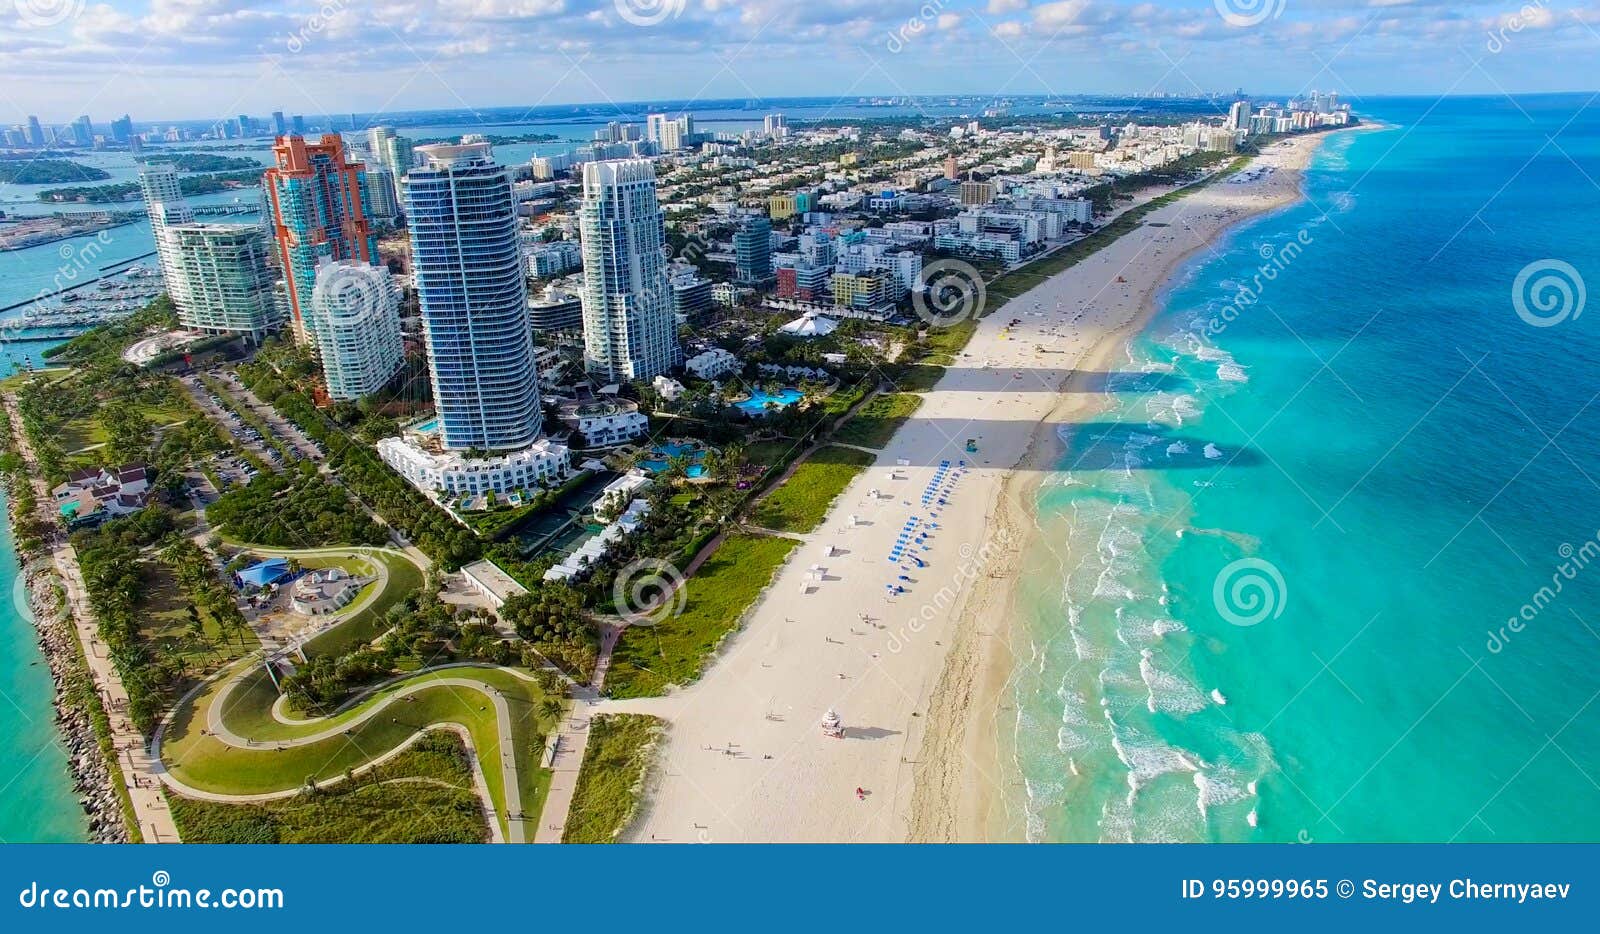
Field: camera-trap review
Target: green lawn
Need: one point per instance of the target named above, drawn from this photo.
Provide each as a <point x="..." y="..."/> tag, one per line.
<point x="650" y="658"/>
<point x="423" y="795"/>
<point x="800" y="504"/>
<point x="772" y="453"/>
<point x="877" y="421"/>
<point x="167" y="627"/>
<point x="612" y="776"/>
<point x="207" y="763"/>
<point x="405" y="579"/>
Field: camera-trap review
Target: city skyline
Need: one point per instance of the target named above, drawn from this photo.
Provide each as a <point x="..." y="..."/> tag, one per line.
<point x="225" y="57"/>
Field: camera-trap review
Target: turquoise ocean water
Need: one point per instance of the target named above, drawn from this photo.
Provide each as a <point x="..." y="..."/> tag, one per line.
<point x="40" y="806"/>
<point x="1379" y="464"/>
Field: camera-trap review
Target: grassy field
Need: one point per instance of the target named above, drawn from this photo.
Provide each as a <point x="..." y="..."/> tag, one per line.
<point x="612" y="776"/>
<point x="800" y="504"/>
<point x="877" y="421"/>
<point x="650" y="658"/>
<point x="423" y="795"/>
<point x="771" y="453"/>
<point x="205" y="762"/>
<point x="167" y="627"/>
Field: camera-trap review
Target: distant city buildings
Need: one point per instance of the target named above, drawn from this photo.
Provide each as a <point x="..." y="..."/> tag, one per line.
<point x="629" y="332"/>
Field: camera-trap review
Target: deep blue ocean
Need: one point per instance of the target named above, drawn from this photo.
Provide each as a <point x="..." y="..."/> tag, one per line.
<point x="1332" y="573"/>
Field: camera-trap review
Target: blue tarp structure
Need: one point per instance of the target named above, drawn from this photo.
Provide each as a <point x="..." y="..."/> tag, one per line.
<point x="265" y="572"/>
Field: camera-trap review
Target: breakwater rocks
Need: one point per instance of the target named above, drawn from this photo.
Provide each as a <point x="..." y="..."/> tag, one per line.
<point x="91" y="776"/>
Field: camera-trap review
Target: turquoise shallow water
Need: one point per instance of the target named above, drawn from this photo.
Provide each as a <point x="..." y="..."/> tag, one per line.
<point x="40" y="806"/>
<point x="1381" y="460"/>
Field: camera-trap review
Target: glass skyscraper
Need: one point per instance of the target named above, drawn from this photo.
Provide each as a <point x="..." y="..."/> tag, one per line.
<point x="467" y="259"/>
<point x="318" y="214"/>
<point x="628" y="329"/>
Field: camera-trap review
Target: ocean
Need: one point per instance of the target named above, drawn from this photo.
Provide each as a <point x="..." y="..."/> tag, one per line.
<point x="40" y="805"/>
<point x="1328" y="569"/>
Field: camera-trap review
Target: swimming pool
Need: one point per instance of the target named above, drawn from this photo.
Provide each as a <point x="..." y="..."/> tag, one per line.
<point x="664" y="452"/>
<point x="759" y="400"/>
<point x="428" y="427"/>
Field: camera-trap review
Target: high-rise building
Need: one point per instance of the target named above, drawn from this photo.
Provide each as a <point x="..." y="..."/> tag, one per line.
<point x="227" y="279"/>
<point x="380" y="199"/>
<point x="1239" y="115"/>
<point x="298" y="123"/>
<point x="122" y="128"/>
<point x="83" y="132"/>
<point x="163" y="202"/>
<point x="396" y="153"/>
<point x="217" y="275"/>
<point x="318" y="213"/>
<point x="652" y="127"/>
<point x="752" y="251"/>
<point x="775" y="124"/>
<point x="279" y="126"/>
<point x="676" y="134"/>
<point x="628" y="329"/>
<point x="355" y="315"/>
<point x="35" y="132"/>
<point x="467" y="259"/>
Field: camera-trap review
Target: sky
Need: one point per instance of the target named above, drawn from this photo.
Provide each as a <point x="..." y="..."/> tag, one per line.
<point x="203" y="59"/>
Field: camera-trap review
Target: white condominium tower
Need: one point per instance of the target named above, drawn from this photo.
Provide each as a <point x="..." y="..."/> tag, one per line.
<point x="226" y="280"/>
<point x="216" y="274"/>
<point x="355" y="317"/>
<point x="163" y="201"/>
<point x="467" y="258"/>
<point x="628" y="328"/>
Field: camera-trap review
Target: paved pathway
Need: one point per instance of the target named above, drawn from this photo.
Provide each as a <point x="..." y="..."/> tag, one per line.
<point x="215" y="728"/>
<point x="138" y="767"/>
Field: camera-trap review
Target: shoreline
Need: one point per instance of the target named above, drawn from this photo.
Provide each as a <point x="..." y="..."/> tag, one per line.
<point x="852" y="624"/>
<point x="968" y="791"/>
<point x="93" y="784"/>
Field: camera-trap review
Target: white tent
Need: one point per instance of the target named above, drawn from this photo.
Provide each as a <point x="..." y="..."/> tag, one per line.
<point x="810" y="324"/>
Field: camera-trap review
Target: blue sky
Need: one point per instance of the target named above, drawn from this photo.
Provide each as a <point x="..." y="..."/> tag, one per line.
<point x="199" y="59"/>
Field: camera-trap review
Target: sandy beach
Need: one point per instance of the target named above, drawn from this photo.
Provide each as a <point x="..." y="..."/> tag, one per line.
<point x="918" y="676"/>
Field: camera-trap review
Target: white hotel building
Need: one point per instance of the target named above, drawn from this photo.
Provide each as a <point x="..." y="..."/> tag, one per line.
<point x="450" y="474"/>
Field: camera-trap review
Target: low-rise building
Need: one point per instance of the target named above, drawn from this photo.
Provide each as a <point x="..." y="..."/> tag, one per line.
<point x="604" y="423"/>
<point x="713" y="364"/>
<point x="446" y="474"/>
<point x="91" y="496"/>
<point x="490" y="580"/>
